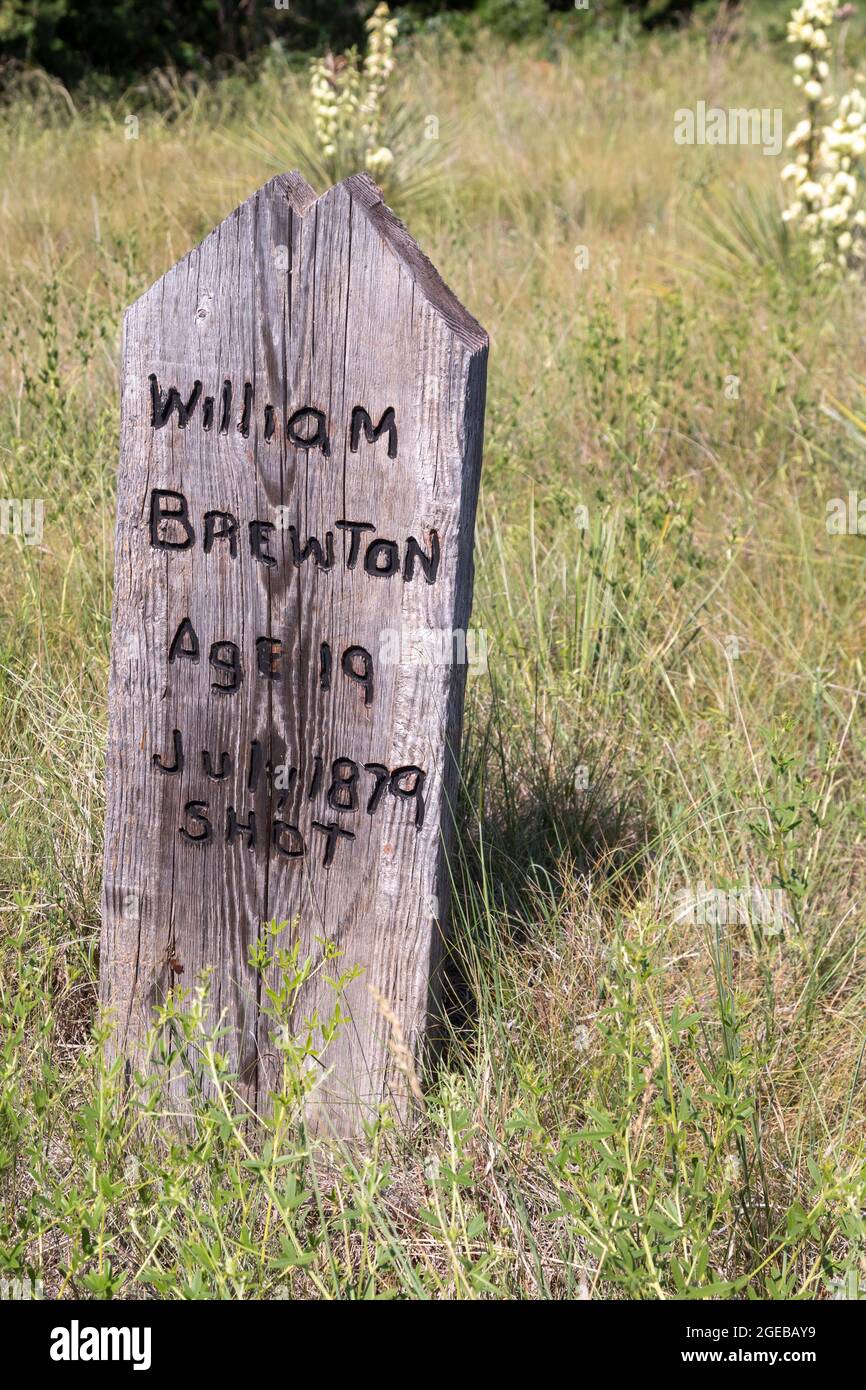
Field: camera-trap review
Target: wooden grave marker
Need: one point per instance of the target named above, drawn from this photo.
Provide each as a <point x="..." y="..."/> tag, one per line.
<point x="302" y="414"/>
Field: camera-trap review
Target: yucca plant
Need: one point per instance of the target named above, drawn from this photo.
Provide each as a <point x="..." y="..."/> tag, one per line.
<point x="359" y="115"/>
<point x="740" y="229"/>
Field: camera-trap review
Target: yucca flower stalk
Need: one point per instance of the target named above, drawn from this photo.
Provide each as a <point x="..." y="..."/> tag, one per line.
<point x="824" y="189"/>
<point x="348" y="94"/>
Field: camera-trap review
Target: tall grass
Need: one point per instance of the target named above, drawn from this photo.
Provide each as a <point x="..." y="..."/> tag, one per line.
<point x="625" y="1102"/>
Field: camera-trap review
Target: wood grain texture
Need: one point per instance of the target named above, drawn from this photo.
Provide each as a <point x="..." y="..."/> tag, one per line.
<point x="305" y="302"/>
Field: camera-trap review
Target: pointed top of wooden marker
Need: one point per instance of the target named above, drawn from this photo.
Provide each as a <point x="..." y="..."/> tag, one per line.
<point x="366" y="195"/>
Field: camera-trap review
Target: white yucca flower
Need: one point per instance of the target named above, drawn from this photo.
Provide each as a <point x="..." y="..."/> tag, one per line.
<point x="800" y="134"/>
<point x="823" y="180"/>
<point x="346" y="98"/>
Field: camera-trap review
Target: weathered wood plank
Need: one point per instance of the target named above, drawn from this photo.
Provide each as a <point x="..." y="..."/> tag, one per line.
<point x="294" y="315"/>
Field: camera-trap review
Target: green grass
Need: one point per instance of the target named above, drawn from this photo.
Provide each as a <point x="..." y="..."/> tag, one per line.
<point x="626" y="1103"/>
